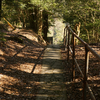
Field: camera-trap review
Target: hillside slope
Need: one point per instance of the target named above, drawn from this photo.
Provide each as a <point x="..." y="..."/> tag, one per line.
<point x="18" y="58"/>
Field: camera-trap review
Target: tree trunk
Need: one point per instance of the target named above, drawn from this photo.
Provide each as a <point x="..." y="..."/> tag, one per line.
<point x="87" y="34"/>
<point x="40" y="25"/>
<point x="24" y="24"/>
<point x="0" y="8"/>
<point x="36" y="22"/>
<point x="45" y="25"/>
<point x="19" y="20"/>
<point x="97" y="37"/>
<point x="39" y="22"/>
<point x="77" y="30"/>
<point x="33" y="19"/>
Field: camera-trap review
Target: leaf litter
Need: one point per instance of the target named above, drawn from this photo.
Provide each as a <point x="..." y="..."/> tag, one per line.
<point x="74" y="90"/>
<point x="16" y="63"/>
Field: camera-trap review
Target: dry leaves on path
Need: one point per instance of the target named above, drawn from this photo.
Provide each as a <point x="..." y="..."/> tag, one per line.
<point x="75" y="93"/>
<point x="16" y="63"/>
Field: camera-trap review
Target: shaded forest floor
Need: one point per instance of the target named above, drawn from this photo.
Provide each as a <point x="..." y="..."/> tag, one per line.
<point x="20" y="68"/>
<point x="19" y="65"/>
<point x="74" y="92"/>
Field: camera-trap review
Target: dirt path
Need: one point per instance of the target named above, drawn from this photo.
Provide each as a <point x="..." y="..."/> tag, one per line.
<point x="52" y="79"/>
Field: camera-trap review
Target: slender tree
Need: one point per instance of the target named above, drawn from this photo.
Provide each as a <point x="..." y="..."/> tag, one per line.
<point x="0" y="8"/>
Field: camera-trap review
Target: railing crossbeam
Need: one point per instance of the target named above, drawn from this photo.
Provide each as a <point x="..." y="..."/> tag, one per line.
<point x="73" y="69"/>
<point x="68" y="45"/>
<point x="88" y="49"/>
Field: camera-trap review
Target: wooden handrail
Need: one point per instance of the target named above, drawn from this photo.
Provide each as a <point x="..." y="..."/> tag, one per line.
<point x="87" y="49"/>
<point x="85" y="44"/>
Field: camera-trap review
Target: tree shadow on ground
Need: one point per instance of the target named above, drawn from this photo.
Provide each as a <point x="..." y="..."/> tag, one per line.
<point x="17" y="60"/>
<point x="93" y="76"/>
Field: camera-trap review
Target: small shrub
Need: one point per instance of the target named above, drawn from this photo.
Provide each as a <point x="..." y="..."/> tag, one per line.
<point x="2" y="39"/>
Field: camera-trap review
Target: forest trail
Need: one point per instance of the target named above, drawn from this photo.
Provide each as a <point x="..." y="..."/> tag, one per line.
<point x="52" y="85"/>
<point x="20" y="65"/>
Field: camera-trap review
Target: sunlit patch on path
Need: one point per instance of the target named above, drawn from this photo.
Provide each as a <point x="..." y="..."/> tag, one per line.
<point x="52" y="85"/>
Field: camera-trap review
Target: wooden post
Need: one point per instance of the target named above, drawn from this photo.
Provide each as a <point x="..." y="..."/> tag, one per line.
<point x="73" y="69"/>
<point x="64" y="36"/>
<point x="68" y="44"/>
<point x="87" y="64"/>
<point x="66" y="39"/>
<point x="85" y="72"/>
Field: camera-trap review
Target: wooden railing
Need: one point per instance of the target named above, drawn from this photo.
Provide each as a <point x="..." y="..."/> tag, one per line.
<point x="67" y="33"/>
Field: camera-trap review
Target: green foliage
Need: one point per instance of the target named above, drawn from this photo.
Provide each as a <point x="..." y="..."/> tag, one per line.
<point x="19" y="11"/>
<point x="2" y="36"/>
<point x="23" y="12"/>
<point x="88" y="13"/>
